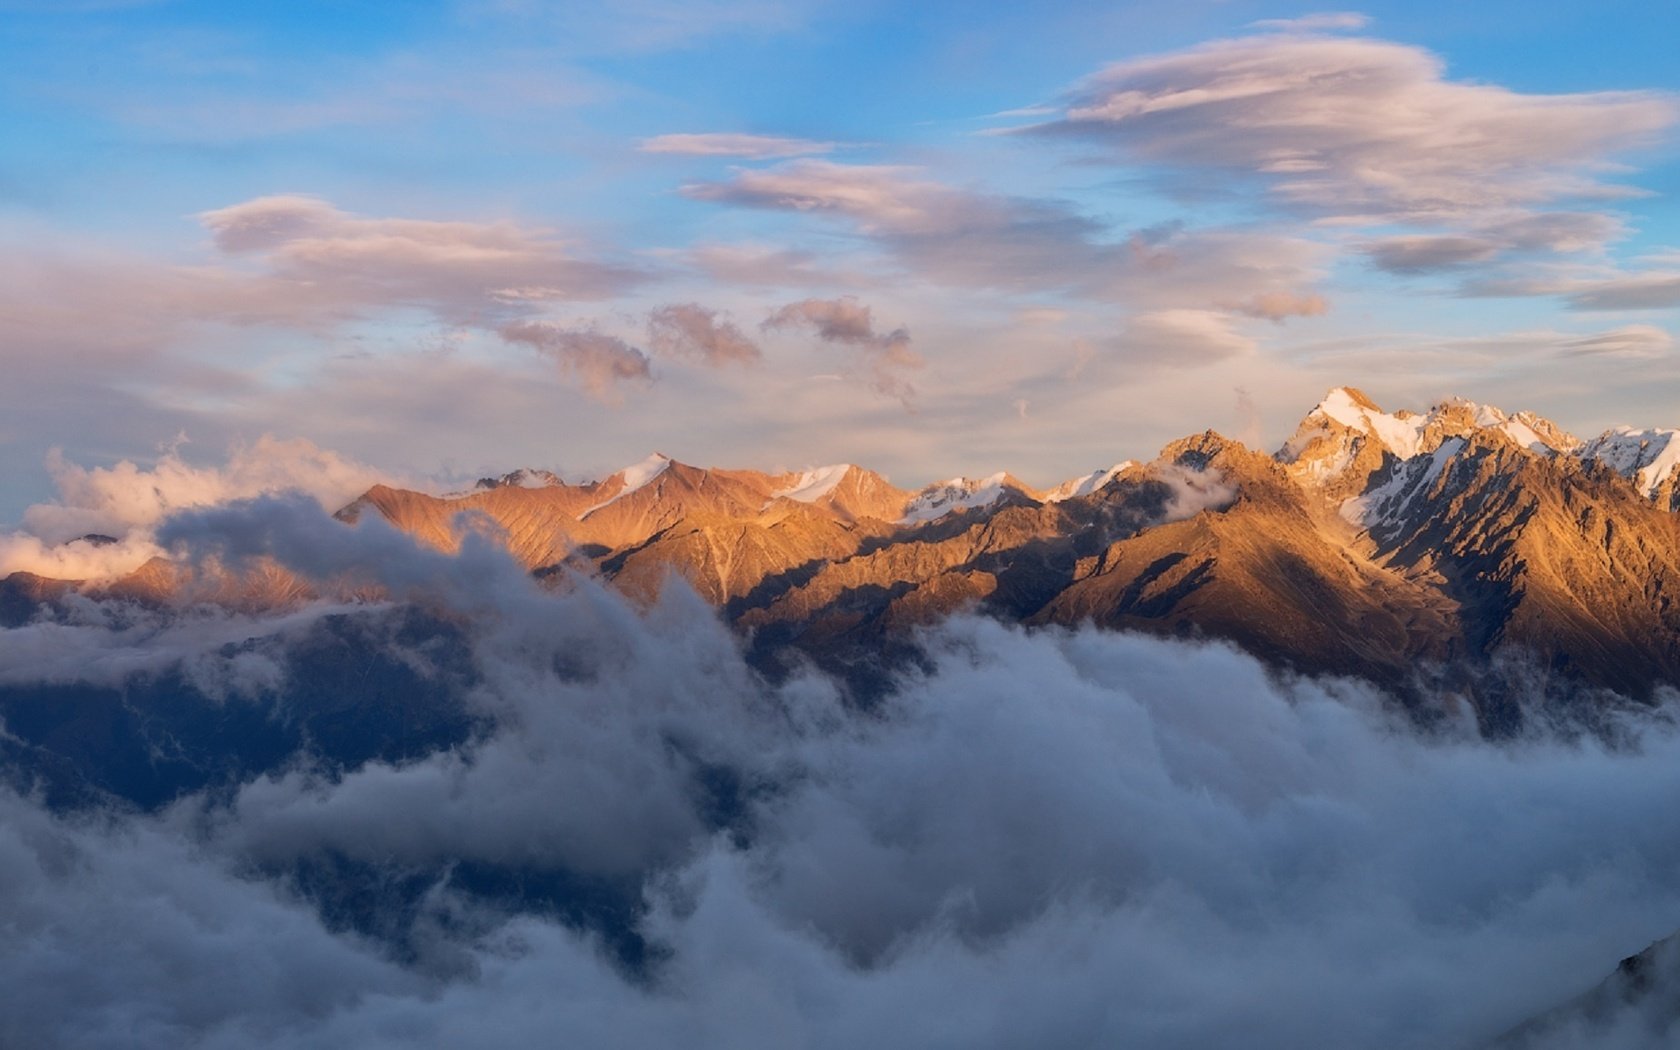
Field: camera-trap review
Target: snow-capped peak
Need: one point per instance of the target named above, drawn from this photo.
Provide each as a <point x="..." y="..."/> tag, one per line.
<point x="814" y="484"/>
<point x="1401" y="432"/>
<point x="945" y="497"/>
<point x="1086" y="484"/>
<point x="1646" y="457"/>
<point x="632" y="478"/>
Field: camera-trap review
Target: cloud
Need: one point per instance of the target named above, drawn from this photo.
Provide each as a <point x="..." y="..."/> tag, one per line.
<point x="599" y="361"/>
<point x="1635" y="290"/>
<point x="1355" y="128"/>
<point x="122" y="505"/>
<point x="465" y="272"/>
<point x="1186" y="338"/>
<point x="1634" y="341"/>
<point x="766" y="266"/>
<point x="693" y="331"/>
<point x="725" y="144"/>
<point x="1058" y="838"/>
<point x="1325" y="21"/>
<point x="1424" y="254"/>
<point x="884" y="356"/>
<point x="1482" y="243"/>
<point x="968" y="238"/>
<point x="1280" y="306"/>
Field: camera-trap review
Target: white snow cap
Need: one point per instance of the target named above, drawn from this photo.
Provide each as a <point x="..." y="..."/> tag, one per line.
<point x="944" y="497"/>
<point x="633" y="477"/>
<point x="1646" y="457"/>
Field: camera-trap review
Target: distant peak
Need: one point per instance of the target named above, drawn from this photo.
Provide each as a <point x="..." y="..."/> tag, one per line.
<point x="1353" y="395"/>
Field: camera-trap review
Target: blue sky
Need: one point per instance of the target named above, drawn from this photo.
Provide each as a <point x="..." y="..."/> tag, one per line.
<point x="935" y="238"/>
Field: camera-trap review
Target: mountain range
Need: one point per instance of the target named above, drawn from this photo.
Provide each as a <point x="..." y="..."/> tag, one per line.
<point x="1488" y="558"/>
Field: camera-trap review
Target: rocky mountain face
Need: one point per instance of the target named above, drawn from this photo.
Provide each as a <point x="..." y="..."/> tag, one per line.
<point x="1463" y="552"/>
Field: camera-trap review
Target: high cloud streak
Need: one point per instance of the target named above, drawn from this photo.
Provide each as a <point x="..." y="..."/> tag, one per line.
<point x="968" y="238"/>
<point x="1049" y="838"/>
<point x="464" y="271"/>
<point x="1357" y="128"/>
<point x="725" y="144"/>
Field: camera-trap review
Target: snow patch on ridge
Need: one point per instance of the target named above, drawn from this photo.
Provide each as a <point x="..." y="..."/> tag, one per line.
<point x="1084" y="486"/>
<point x="1390" y="500"/>
<point x="633" y="477"/>
<point x="814" y="484"/>
<point x="946" y="497"/>
<point x="1646" y="457"/>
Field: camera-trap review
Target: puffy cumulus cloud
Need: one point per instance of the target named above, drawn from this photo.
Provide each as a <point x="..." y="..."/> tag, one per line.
<point x="727" y="144"/>
<point x="599" y="361"/>
<point x="1181" y="337"/>
<point x="969" y="238"/>
<point x="102" y="523"/>
<point x="1059" y="838"/>
<point x="1356" y="127"/>
<point x="464" y="272"/>
<point x="883" y="356"/>
<point x="693" y="331"/>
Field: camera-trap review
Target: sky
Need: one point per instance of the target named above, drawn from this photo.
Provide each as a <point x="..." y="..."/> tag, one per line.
<point x="440" y="240"/>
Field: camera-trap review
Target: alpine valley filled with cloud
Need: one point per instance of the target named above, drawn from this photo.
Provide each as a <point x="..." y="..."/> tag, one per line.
<point x="1024" y="636"/>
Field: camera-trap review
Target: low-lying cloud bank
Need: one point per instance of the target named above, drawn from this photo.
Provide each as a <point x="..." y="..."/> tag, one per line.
<point x="1046" y="838"/>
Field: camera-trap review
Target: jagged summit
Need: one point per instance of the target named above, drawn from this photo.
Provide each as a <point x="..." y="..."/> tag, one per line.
<point x="1373" y="543"/>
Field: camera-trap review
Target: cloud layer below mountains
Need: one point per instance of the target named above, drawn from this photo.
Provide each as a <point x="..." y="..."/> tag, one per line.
<point x="1045" y="838"/>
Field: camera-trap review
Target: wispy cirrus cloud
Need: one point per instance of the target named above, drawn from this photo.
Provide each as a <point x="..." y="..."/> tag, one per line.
<point x="327" y="259"/>
<point x="728" y="144"/>
<point x="1355" y="128"/>
<point x="1321" y="22"/>
<point x="969" y="238"/>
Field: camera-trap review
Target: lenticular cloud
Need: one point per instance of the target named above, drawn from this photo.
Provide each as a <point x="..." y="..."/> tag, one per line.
<point x="1040" y="838"/>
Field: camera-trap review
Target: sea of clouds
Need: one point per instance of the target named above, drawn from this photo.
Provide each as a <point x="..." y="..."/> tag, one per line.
<point x="1042" y="838"/>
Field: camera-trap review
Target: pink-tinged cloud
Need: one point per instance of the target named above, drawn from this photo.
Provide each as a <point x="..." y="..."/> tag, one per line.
<point x="464" y="272"/>
<point x="695" y="332"/>
<point x="1356" y="127"/>
<point x="600" y="362"/>
<point x="966" y="238"/>
<point x="122" y="505"/>
<point x="726" y="144"/>
<point x="883" y="356"/>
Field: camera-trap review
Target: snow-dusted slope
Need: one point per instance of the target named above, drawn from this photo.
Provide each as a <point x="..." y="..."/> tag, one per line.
<point x="1645" y="457"/>
<point x="1085" y="485"/>
<point x="946" y="497"/>
<point x="632" y="478"/>
<point x="814" y="484"/>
